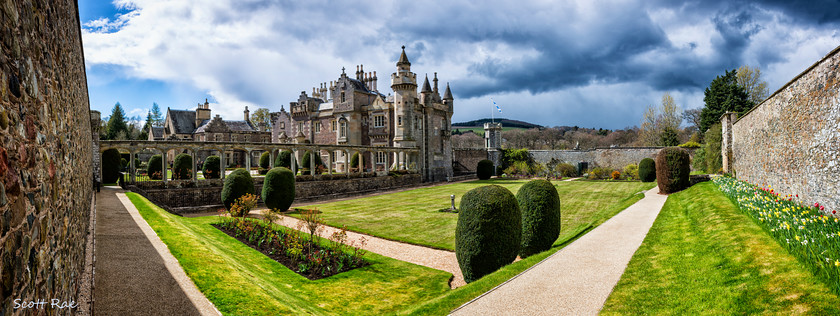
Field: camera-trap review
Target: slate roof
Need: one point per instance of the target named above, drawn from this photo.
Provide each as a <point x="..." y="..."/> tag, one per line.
<point x="234" y="126"/>
<point x="184" y="121"/>
<point x="157" y="132"/>
<point x="447" y="94"/>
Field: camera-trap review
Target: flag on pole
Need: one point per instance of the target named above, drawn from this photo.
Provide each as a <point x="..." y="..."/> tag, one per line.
<point x="497" y="106"/>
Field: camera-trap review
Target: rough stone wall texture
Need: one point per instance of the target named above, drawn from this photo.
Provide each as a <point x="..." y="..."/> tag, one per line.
<point x="613" y="158"/>
<point x="45" y="154"/>
<point x="466" y="159"/>
<point x="792" y="140"/>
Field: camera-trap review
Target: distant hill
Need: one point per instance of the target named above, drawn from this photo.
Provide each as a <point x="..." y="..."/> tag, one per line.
<point x="505" y="123"/>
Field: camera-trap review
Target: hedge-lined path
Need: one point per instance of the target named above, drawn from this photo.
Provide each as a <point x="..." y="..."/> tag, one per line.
<point x="577" y="279"/>
<point x="134" y="272"/>
<point x="428" y="257"/>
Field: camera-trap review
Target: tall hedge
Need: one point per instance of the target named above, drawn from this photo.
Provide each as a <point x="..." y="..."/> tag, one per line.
<point x="484" y="169"/>
<point x="237" y="184"/>
<point x="540" y="207"/>
<point x="212" y="168"/>
<point x="672" y="170"/>
<point x="264" y="160"/>
<point x="647" y="170"/>
<point x="155" y="167"/>
<point x="306" y="163"/>
<point x="284" y="159"/>
<point x="278" y="191"/>
<point x="110" y="165"/>
<point x="182" y="168"/>
<point x="487" y="236"/>
<point x="354" y="161"/>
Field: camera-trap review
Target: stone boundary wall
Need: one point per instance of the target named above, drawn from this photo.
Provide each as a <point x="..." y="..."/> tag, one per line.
<point x="45" y="156"/>
<point x="466" y="159"/>
<point x="181" y="200"/>
<point x="614" y="158"/>
<point x="792" y="140"/>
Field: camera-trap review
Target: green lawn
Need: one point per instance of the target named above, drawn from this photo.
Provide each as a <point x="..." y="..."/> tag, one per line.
<point x="413" y="216"/>
<point x="242" y="281"/>
<point x="704" y="256"/>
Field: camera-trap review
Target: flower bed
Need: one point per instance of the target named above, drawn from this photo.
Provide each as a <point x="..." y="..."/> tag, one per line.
<point x="294" y="249"/>
<point x="806" y="231"/>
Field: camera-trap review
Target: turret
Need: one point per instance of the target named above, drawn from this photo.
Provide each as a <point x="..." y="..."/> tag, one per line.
<point x="404" y="84"/>
<point x="447" y="98"/>
<point x="426" y="92"/>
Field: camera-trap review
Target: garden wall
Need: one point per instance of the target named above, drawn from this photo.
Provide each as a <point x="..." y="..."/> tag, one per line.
<point x="614" y="158"/>
<point x="45" y="157"/>
<point x="181" y="197"/>
<point x="792" y="140"/>
<point x="466" y="159"/>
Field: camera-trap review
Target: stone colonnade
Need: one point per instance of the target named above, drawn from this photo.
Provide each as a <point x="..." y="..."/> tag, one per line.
<point x="394" y="157"/>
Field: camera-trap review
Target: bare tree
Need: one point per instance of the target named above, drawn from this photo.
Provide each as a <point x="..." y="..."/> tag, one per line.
<point x="750" y="78"/>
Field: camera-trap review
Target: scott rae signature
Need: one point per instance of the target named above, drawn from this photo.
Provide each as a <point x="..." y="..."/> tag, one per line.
<point x="42" y="304"/>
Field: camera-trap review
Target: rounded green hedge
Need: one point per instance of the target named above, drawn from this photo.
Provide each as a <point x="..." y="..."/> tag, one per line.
<point x="284" y="159"/>
<point x="306" y="163"/>
<point x="484" y="169"/>
<point x="264" y="160"/>
<point x="237" y="184"/>
<point x="673" y="169"/>
<point x="211" y="168"/>
<point x="111" y="163"/>
<point x="488" y="232"/>
<point x="540" y="207"/>
<point x="155" y="167"/>
<point x="182" y="168"/>
<point x="647" y="170"/>
<point x="354" y="161"/>
<point x="278" y="191"/>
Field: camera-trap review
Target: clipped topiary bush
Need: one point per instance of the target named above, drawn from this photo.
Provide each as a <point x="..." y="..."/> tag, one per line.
<point x="306" y="163"/>
<point x="354" y="161"/>
<point x="111" y="162"/>
<point x="484" y="169"/>
<point x="540" y="207"/>
<point x="647" y="170"/>
<point x="489" y="231"/>
<point x="672" y="172"/>
<point x="236" y="184"/>
<point x="264" y="160"/>
<point x="211" y="168"/>
<point x="155" y="167"/>
<point x="278" y="191"/>
<point x="283" y="159"/>
<point x="182" y="169"/>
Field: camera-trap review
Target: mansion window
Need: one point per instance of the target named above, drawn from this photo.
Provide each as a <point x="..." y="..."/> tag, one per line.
<point x="300" y="127"/>
<point x="379" y="121"/>
<point x="282" y="125"/>
<point x="317" y="127"/>
<point x="217" y="137"/>
<point x="332" y="125"/>
<point x="380" y="157"/>
<point x="343" y="131"/>
<point x="342" y="97"/>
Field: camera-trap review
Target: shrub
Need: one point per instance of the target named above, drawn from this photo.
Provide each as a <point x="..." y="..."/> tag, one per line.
<point x="690" y="144"/>
<point x="540" y="208"/>
<point x="182" y="169"/>
<point x="123" y="163"/>
<point x="155" y="168"/>
<point x="484" y="169"/>
<point x="212" y="169"/>
<point x="243" y="205"/>
<point x="566" y="170"/>
<point x="306" y="163"/>
<point x="488" y="232"/>
<point x="264" y="160"/>
<point x="110" y="165"/>
<point x="647" y="170"/>
<point x="284" y="159"/>
<point x="237" y="184"/>
<point x="699" y="161"/>
<point x="631" y="172"/>
<point x="615" y="175"/>
<point x="278" y="191"/>
<point x="714" y="158"/>
<point x="354" y="161"/>
<point x="672" y="169"/>
<point x="599" y="173"/>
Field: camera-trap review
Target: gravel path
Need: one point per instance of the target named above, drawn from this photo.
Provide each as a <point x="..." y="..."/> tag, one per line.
<point x="577" y="279"/>
<point x="428" y="257"/>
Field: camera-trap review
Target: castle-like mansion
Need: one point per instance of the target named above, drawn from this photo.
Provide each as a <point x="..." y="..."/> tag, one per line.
<point x="352" y="111"/>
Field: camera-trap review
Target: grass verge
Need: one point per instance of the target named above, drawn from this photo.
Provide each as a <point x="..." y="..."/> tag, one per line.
<point x="704" y="256"/>
<point x="242" y="281"/>
<point x="413" y="216"/>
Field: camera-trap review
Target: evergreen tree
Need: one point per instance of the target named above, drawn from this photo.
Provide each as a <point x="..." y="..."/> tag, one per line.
<point x="117" y="123"/>
<point x="669" y="137"/>
<point x="144" y="134"/>
<point x="157" y="117"/>
<point x="723" y="95"/>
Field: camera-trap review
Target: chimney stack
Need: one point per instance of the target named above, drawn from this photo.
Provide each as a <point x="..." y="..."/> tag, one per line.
<point x="247" y="114"/>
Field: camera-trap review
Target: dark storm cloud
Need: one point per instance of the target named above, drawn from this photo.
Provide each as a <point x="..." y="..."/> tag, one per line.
<point x="573" y="51"/>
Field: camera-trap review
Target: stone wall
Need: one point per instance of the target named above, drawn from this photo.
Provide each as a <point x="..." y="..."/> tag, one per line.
<point x="182" y="197"/>
<point x="466" y="159"/>
<point x="614" y="158"/>
<point x="45" y="155"/>
<point x="792" y="140"/>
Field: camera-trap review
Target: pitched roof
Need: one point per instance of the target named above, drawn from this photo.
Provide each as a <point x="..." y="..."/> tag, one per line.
<point x="426" y="86"/>
<point x="447" y="94"/>
<point x="157" y="132"/>
<point x="403" y="58"/>
<point x="184" y="121"/>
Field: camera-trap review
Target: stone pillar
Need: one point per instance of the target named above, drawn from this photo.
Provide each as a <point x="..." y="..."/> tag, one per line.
<point x="131" y="170"/>
<point x="271" y="159"/>
<point x="387" y="164"/>
<point x="248" y="160"/>
<point x="312" y="156"/>
<point x="726" y="122"/>
<point x="222" y="164"/>
<point x="293" y="161"/>
<point x="330" y="161"/>
<point x="361" y="162"/>
<point x="165" y="169"/>
<point x="194" y="165"/>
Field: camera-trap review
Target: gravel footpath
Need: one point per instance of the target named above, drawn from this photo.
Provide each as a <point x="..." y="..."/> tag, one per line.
<point x="577" y="279"/>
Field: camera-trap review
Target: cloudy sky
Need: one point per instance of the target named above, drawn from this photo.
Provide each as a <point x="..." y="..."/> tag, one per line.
<point x="586" y="63"/>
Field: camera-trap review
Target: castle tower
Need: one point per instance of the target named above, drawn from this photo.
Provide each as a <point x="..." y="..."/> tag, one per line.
<point x="404" y="84"/>
<point x="426" y="93"/>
